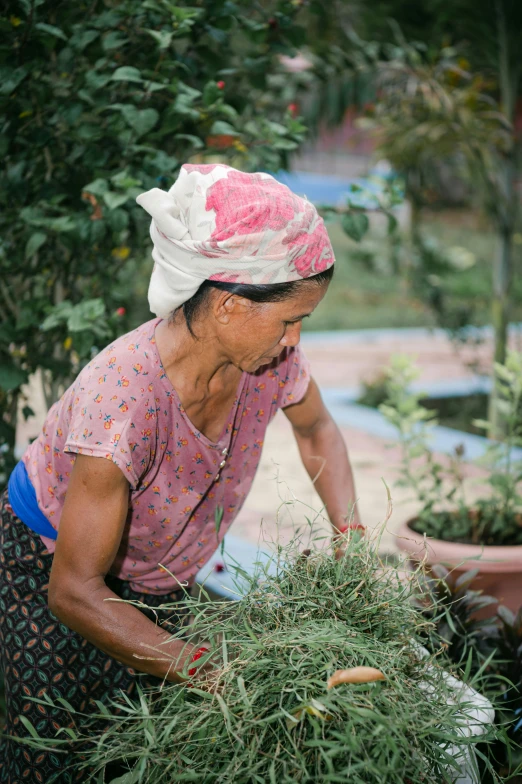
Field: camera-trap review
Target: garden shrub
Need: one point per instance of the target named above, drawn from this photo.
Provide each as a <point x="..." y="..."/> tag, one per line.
<point x="100" y="101"/>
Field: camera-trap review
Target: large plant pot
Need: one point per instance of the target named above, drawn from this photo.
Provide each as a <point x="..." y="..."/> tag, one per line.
<point x="500" y="568"/>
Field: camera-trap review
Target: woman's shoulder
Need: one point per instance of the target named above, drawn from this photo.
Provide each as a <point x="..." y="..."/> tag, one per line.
<point x="130" y="360"/>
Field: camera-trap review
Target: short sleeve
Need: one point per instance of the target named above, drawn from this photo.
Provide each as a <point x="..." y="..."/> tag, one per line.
<point x="102" y="424"/>
<point x="294" y="379"/>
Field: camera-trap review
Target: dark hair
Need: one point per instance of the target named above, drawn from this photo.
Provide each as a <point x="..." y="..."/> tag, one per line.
<point x="269" y="292"/>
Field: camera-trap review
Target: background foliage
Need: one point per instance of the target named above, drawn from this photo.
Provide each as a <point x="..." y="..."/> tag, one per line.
<point x="100" y="101"/>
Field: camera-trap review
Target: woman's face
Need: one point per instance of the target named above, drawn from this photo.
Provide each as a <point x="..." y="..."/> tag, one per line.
<point x="254" y="334"/>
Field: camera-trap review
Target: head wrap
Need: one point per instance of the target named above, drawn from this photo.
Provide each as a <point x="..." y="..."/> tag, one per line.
<point x="217" y="223"/>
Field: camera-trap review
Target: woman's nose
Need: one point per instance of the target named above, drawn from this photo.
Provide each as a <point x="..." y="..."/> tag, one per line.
<point x="292" y="335"/>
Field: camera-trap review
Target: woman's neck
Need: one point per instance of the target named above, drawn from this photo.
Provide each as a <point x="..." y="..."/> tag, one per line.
<point x="195" y="364"/>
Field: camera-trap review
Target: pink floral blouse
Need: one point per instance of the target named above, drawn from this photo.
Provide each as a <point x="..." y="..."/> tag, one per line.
<point x="123" y="407"/>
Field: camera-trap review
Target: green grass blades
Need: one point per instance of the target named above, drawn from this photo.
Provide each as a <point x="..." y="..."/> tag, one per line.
<point x="273" y="718"/>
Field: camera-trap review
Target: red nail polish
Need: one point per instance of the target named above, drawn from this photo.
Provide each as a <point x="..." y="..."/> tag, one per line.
<point x="199" y="653"/>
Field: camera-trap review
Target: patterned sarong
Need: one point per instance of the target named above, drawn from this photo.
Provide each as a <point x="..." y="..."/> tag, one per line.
<point x="40" y="654"/>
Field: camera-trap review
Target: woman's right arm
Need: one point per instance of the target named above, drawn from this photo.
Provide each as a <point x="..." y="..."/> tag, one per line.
<point x="91" y="528"/>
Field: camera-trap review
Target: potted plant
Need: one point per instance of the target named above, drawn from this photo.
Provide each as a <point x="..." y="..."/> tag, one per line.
<point x="489" y="649"/>
<point x="486" y="534"/>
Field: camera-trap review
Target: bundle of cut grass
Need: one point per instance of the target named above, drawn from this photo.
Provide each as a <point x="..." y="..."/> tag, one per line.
<point x="281" y="714"/>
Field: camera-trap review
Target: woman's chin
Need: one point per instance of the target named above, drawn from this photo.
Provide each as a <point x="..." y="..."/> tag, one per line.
<point x="255" y="364"/>
<point x="261" y="362"/>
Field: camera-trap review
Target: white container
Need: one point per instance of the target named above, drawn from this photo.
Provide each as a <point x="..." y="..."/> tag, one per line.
<point x="474" y="713"/>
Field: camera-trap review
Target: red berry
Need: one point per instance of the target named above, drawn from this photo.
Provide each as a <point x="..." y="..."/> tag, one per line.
<point x="121" y="312"/>
<point x="219" y="567"/>
<point x="272" y="23"/>
<point x="292" y="107"/>
<point x="220" y="85"/>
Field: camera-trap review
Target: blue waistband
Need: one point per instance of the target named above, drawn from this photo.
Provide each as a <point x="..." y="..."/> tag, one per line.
<point x="22" y="497"/>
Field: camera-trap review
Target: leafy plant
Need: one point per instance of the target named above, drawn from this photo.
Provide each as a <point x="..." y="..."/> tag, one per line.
<point x="490" y="648"/>
<point x="379" y="195"/>
<point x="99" y="102"/>
<point x="456" y="612"/>
<point x="374" y="391"/>
<point x="446" y="514"/>
<point x="450" y="109"/>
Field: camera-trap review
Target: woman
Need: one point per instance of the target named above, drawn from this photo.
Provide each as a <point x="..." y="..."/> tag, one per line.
<point x="178" y="408"/>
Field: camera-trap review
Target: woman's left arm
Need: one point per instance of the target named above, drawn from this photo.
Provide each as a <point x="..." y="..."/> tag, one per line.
<point x="325" y="457"/>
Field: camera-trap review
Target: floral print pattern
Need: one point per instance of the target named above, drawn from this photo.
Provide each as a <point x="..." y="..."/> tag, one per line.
<point x="123" y="407"/>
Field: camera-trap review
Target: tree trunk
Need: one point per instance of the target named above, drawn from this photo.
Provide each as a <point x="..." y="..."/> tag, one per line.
<point x="502" y="273"/>
<point x="505" y="220"/>
<point x="413" y="194"/>
<point x="500" y="306"/>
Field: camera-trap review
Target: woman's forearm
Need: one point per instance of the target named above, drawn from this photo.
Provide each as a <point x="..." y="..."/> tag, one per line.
<point x="119" y="629"/>
<point x="325" y="458"/>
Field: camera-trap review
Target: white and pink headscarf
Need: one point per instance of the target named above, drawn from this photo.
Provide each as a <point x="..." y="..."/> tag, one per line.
<point x="217" y="223"/>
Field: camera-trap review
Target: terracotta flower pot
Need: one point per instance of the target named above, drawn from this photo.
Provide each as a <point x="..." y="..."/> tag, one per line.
<point x="500" y="568"/>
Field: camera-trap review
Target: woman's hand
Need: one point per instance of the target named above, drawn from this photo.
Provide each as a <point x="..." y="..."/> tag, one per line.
<point x="339" y="537"/>
<point x="204" y="676"/>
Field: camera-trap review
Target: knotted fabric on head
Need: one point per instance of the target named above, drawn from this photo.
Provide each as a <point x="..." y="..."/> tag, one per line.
<point x="217" y="223"/>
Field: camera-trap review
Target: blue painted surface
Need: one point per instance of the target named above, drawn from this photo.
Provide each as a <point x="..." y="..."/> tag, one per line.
<point x="456" y="388"/>
<point x="330" y="190"/>
<point x="356" y="336"/>
<point x="237" y="552"/>
<point x="442" y="439"/>
<point x="341" y="401"/>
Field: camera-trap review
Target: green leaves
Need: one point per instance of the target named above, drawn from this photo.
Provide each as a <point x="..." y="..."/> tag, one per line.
<point x="127" y="73"/>
<point x="355" y="225"/>
<point x="114" y="200"/>
<point x="89" y="315"/>
<point x="82" y="39"/>
<point x="29" y="727"/>
<point x="221" y="127"/>
<point x="97" y="187"/>
<point x="141" y="120"/>
<point x="10" y="78"/>
<point x="162" y="37"/>
<point x="51" y="30"/>
<point x="62" y="225"/>
<point x="96" y="80"/>
<point x="196" y="142"/>
<point x="11" y="376"/>
<point x="445" y="512"/>
<point x="34" y="242"/>
<point x="102" y="102"/>
<point x="211" y="93"/>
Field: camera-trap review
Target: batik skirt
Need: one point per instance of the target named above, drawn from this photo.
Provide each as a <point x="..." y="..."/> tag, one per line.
<point x="40" y="655"/>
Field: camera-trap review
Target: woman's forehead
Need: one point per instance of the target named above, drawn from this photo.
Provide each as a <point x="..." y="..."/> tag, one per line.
<point x="305" y="299"/>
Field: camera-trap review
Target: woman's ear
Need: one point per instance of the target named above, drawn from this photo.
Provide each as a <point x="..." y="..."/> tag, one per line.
<point x="223" y="306"/>
<point x="229" y="306"/>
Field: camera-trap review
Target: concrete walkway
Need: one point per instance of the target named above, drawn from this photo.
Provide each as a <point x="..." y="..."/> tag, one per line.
<point x="283" y="496"/>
